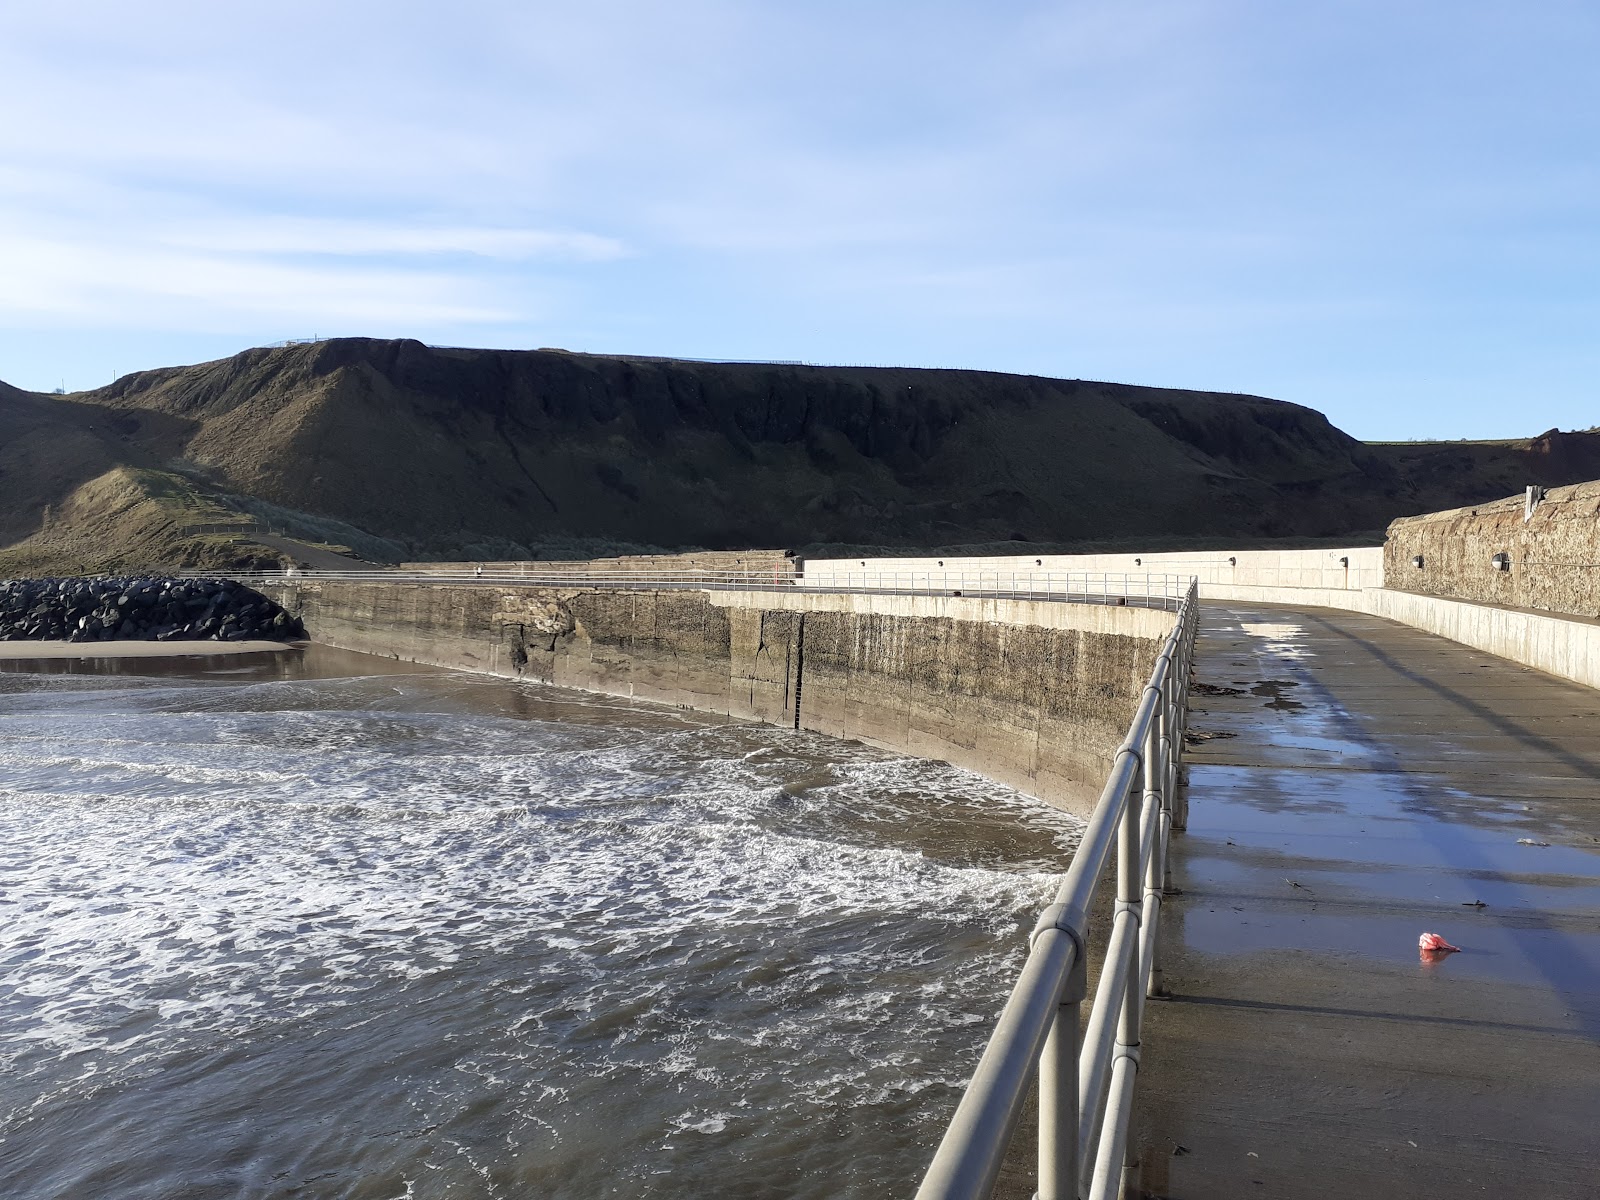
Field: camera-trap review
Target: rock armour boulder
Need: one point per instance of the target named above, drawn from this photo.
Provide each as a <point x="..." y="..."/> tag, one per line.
<point x="140" y="608"/>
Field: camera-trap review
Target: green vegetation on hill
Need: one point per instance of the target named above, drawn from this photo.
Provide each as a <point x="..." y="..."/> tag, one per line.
<point x="396" y="450"/>
<point x="132" y="515"/>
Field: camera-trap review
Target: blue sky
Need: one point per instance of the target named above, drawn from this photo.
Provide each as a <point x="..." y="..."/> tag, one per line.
<point x="1389" y="212"/>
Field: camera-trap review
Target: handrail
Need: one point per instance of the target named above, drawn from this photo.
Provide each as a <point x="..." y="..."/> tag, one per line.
<point x="1134" y="589"/>
<point x="1085" y="1095"/>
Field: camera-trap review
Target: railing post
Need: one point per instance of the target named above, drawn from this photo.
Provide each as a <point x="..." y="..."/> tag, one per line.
<point x="1168" y="723"/>
<point x="1155" y="877"/>
<point x="1125" y="1057"/>
<point x="1129" y="877"/>
<point x="1187" y="639"/>
<point x="1058" y="1091"/>
<point x="1129" y="909"/>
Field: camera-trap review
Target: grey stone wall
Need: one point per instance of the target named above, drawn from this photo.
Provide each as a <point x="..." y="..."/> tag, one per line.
<point x="1553" y="554"/>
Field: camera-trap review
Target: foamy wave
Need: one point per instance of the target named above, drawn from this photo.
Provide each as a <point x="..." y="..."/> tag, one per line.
<point x="734" y="919"/>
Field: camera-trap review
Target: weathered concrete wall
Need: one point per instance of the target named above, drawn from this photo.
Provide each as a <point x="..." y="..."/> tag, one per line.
<point x="1034" y="695"/>
<point x="1553" y="552"/>
<point x="776" y="564"/>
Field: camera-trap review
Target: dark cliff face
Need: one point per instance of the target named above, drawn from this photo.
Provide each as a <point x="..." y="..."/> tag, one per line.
<point x="444" y="446"/>
<point x="412" y="441"/>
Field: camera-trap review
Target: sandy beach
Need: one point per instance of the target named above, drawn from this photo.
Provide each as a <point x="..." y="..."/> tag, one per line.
<point x="20" y="651"/>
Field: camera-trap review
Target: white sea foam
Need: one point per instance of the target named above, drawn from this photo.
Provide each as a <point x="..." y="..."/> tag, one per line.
<point x="585" y="903"/>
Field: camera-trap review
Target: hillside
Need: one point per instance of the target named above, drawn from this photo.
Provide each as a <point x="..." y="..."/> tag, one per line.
<point x="395" y="449"/>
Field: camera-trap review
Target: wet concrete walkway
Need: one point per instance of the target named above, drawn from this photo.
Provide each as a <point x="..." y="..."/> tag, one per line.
<point x="1359" y="782"/>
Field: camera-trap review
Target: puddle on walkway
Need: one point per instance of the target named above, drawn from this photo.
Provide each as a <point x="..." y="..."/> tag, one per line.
<point x="1307" y="724"/>
<point x="1330" y="862"/>
<point x="1222" y="876"/>
<point x="1277" y="690"/>
<point x="1279" y="637"/>
<point x="1564" y="959"/>
<point x="1376" y="817"/>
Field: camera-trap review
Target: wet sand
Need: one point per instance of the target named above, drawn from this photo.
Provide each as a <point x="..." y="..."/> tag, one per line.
<point x="1359" y="783"/>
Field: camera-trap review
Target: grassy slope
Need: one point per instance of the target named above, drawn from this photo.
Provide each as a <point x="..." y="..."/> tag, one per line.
<point x="129" y="518"/>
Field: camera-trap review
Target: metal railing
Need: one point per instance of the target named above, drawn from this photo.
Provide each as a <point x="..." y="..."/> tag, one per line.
<point x="1085" y="1088"/>
<point x="1137" y="590"/>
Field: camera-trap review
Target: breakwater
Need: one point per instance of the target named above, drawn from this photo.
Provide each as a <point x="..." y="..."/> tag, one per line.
<point x="1033" y="694"/>
<point x="139" y="608"/>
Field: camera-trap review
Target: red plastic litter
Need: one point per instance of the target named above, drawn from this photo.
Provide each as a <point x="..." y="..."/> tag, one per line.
<point x="1433" y="943"/>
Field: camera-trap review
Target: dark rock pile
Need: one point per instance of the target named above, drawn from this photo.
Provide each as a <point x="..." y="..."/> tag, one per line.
<point x="150" y="609"/>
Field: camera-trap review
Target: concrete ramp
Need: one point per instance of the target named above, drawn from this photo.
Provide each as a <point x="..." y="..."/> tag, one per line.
<point x="308" y="555"/>
<point x="1354" y="784"/>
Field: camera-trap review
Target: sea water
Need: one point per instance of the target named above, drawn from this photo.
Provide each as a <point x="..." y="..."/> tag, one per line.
<point x="322" y="925"/>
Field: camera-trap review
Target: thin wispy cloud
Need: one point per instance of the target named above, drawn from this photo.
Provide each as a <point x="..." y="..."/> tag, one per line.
<point x="276" y="235"/>
<point x="1325" y="204"/>
<point x="118" y="286"/>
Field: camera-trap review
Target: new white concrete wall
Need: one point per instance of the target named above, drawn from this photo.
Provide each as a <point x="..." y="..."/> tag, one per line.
<point x="1564" y="646"/>
<point x="1344" y="569"/>
<point x="1350" y="579"/>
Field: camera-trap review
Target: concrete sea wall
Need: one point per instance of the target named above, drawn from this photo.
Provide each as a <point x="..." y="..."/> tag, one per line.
<point x="1035" y="695"/>
<point x="769" y="564"/>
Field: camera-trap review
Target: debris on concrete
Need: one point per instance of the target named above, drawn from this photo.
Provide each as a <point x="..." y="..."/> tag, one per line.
<point x="1432" y="943"/>
<point x="1196" y="736"/>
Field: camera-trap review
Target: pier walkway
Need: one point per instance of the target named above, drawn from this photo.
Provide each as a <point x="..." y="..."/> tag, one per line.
<point x="1353" y="783"/>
